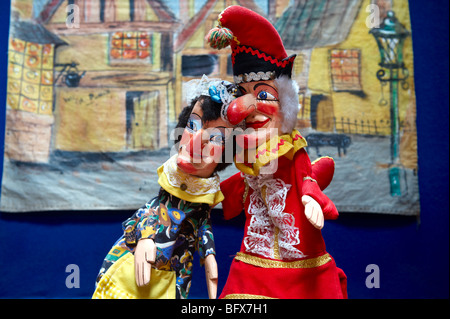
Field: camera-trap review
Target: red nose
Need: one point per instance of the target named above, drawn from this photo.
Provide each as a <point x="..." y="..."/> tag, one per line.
<point x="195" y="145"/>
<point x="239" y="109"/>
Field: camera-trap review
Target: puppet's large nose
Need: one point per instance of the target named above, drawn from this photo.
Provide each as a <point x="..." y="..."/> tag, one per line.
<point x="240" y="108"/>
<point x="196" y="144"/>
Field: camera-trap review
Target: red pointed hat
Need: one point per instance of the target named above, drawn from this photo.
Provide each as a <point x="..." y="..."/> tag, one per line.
<point x="257" y="49"/>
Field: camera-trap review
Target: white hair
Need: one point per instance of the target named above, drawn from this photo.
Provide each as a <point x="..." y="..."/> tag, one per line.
<point x="288" y="96"/>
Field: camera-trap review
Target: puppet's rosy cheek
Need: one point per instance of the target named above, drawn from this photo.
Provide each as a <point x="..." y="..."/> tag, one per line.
<point x="268" y="108"/>
<point x="212" y="152"/>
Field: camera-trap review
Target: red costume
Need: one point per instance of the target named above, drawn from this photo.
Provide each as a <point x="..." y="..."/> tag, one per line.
<point x="282" y="254"/>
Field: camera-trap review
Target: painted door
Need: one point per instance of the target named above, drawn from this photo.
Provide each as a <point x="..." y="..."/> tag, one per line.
<point x="145" y="124"/>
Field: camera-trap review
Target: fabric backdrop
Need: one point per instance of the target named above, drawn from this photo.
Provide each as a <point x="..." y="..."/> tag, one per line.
<point x="95" y="88"/>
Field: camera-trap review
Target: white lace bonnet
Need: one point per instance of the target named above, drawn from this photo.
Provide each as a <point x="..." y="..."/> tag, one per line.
<point x="219" y="90"/>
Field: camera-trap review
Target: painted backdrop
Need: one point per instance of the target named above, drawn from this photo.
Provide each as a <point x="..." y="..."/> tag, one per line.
<point x="95" y="88"/>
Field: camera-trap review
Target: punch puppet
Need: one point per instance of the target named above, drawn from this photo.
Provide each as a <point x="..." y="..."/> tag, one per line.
<point x="283" y="253"/>
<point x="153" y="258"/>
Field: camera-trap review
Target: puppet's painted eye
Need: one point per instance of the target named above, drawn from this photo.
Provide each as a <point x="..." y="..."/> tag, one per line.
<point x="193" y="124"/>
<point x="264" y="95"/>
<point x="217" y="139"/>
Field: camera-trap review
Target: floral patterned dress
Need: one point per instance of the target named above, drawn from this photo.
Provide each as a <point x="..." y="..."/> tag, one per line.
<point x="178" y="226"/>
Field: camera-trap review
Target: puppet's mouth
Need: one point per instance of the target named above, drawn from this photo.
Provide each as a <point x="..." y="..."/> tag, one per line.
<point x="189" y="156"/>
<point x="257" y="124"/>
<point x="185" y="165"/>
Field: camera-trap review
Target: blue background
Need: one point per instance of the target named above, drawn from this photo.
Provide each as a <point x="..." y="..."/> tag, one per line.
<point x="413" y="257"/>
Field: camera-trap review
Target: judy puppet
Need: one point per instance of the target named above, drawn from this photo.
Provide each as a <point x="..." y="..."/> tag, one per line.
<point x="154" y="257"/>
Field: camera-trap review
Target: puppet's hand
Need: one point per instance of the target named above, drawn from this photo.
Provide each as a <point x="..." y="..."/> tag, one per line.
<point x="144" y="256"/>
<point x="211" y="275"/>
<point x="313" y="211"/>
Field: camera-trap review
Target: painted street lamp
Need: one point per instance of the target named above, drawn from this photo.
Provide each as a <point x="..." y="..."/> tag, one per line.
<point x="390" y="38"/>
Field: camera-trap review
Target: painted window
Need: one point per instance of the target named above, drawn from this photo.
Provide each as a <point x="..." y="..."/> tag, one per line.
<point x="131" y="47"/>
<point x="197" y="65"/>
<point x="30" y="82"/>
<point x="346" y="69"/>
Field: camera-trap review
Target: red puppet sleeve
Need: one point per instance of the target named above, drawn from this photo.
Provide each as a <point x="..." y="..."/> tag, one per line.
<point x="310" y="186"/>
<point x="323" y="171"/>
<point x="233" y="189"/>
